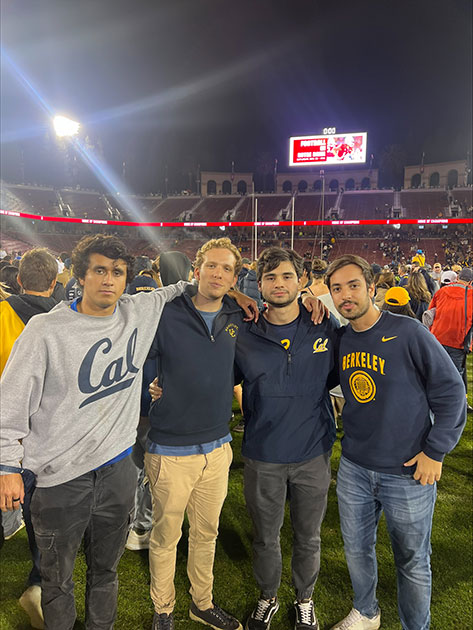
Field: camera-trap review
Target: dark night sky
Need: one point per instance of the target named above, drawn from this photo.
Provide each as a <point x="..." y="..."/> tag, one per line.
<point x="211" y="81"/>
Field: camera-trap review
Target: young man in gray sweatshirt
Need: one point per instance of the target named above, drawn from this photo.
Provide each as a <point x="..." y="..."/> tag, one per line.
<point x="70" y="398"/>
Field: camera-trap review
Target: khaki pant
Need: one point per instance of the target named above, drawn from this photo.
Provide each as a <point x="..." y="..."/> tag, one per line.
<point x="196" y="484"/>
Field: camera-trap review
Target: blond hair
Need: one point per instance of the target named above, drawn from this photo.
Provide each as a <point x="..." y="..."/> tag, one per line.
<point x="218" y="243"/>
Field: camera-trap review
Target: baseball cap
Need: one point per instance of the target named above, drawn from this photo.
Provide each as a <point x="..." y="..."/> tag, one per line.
<point x="466" y="274"/>
<point x="396" y="296"/>
<point x="245" y="261"/>
<point x="447" y="277"/>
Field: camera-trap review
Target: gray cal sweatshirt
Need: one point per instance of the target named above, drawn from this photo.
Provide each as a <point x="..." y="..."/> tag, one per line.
<point x="70" y="390"/>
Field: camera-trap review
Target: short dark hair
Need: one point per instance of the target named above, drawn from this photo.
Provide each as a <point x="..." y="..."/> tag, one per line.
<point x="350" y="259"/>
<point x="8" y="275"/>
<point x="109" y="246"/>
<point x="272" y="257"/>
<point x="38" y="268"/>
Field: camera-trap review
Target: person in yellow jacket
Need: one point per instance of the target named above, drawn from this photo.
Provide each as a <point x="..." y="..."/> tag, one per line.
<point x="419" y="257"/>
<point x="37" y="277"/>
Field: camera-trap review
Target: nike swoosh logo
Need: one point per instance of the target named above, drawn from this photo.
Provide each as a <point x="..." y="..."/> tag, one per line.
<point x="388" y="338"/>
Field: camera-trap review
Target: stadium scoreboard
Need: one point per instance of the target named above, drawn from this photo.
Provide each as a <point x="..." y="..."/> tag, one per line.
<point x="328" y="148"/>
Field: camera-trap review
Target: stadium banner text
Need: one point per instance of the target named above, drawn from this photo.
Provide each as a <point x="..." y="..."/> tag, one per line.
<point x="392" y="222"/>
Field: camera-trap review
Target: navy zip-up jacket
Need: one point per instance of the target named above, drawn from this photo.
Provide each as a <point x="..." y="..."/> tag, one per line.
<point x="195" y="370"/>
<point x="286" y="401"/>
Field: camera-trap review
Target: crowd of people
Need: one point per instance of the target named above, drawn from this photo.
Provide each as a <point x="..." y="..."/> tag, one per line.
<point x="79" y="470"/>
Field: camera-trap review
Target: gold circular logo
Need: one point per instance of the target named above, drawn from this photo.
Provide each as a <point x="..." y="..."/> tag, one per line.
<point x="362" y="386"/>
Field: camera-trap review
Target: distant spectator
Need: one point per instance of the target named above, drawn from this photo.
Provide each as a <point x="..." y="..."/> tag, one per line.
<point x="436" y="272"/>
<point x="419" y="294"/>
<point x="173" y="266"/>
<point x="306" y="278"/>
<point x="244" y="270"/>
<point x="318" y="286"/>
<point x="403" y="272"/>
<point x="249" y="286"/>
<point x="385" y="280"/>
<point x="419" y="258"/>
<point x="447" y="277"/>
<point x="396" y="300"/>
<point x="452" y="325"/>
<point x="9" y="275"/>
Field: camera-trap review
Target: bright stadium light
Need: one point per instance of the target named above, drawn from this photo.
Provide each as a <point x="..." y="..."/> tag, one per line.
<point x="65" y="126"/>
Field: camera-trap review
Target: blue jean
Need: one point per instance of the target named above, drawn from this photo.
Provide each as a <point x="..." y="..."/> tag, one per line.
<point x="408" y="507"/>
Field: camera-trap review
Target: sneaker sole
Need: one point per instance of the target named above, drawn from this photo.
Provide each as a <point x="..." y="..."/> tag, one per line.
<point x="269" y="623"/>
<point x="206" y="623"/>
<point x="19" y="528"/>
<point x="137" y="547"/>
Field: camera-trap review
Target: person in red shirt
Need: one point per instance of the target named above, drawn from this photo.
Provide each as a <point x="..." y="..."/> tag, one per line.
<point x="453" y="319"/>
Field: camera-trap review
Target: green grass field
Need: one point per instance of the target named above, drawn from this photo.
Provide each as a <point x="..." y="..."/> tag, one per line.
<point x="235" y="589"/>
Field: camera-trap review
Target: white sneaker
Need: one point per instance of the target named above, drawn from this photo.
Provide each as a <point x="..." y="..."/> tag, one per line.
<point x="30" y="601"/>
<point x="356" y="621"/>
<point x="137" y="542"/>
<point x="21" y="525"/>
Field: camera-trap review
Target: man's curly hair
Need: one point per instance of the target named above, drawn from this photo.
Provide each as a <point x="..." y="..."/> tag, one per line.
<point x="109" y="246"/>
<point x="218" y="243"/>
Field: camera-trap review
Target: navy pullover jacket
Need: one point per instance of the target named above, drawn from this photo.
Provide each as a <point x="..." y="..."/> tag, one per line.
<point x="195" y="370"/>
<point x="286" y="401"/>
<point x="392" y="376"/>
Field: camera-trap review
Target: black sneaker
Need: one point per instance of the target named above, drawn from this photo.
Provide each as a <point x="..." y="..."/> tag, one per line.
<point x="163" y="621"/>
<point x="260" y="618"/>
<point x="215" y="618"/>
<point x="240" y="427"/>
<point x="305" y="615"/>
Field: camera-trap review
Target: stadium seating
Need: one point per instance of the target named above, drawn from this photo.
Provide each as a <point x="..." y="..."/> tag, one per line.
<point x="308" y="206"/>
<point x="215" y="208"/>
<point x="463" y="196"/>
<point x="30" y="199"/>
<point x="170" y="208"/>
<point x="424" y="204"/>
<point x="85" y="204"/>
<point x="270" y="206"/>
<point x="366" y="205"/>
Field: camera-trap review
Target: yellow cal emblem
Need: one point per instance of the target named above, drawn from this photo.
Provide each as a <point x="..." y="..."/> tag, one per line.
<point x="362" y="386"/>
<point x="320" y="345"/>
<point x="232" y="329"/>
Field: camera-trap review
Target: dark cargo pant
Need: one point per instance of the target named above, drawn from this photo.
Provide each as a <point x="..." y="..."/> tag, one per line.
<point x="96" y="507"/>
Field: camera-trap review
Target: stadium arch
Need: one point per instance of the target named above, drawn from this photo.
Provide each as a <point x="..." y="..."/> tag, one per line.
<point x="318" y="185"/>
<point x="452" y="178"/>
<point x="333" y="186"/>
<point x="287" y="186"/>
<point x="226" y="187"/>
<point x="415" y="180"/>
<point x="241" y="187"/>
<point x="302" y="186"/>
<point x="365" y="183"/>
<point x="211" y="187"/>
<point x="434" y="179"/>
<point x="350" y="184"/>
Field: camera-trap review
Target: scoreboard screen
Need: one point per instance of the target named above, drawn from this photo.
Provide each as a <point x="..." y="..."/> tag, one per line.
<point x="340" y="148"/>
